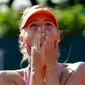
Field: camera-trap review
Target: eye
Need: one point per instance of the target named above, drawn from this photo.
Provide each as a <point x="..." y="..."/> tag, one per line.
<point x="33" y="26"/>
<point x="48" y="24"/>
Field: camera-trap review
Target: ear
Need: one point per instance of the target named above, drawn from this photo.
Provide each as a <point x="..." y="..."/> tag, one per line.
<point x="58" y="36"/>
<point x="21" y="35"/>
<point x="20" y="38"/>
<point x="28" y="48"/>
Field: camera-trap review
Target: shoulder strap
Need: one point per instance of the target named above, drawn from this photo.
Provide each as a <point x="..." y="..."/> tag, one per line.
<point x="26" y="76"/>
<point x="66" y="73"/>
<point x="59" y="66"/>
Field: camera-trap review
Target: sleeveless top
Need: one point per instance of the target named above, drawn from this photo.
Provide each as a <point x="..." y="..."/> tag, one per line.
<point x="27" y="73"/>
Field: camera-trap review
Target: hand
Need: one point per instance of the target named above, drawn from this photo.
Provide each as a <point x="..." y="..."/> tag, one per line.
<point x="51" y="55"/>
<point x="37" y="55"/>
<point x="51" y="49"/>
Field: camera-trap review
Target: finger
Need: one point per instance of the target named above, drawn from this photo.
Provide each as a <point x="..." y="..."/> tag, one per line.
<point x="56" y="45"/>
<point x="38" y="33"/>
<point x="43" y="34"/>
<point x="43" y="37"/>
<point x="28" y="48"/>
<point x="52" y="35"/>
<point x="50" y="47"/>
<point x="33" y="50"/>
<point x="50" y="44"/>
<point x="36" y="40"/>
<point x="43" y="49"/>
<point x="47" y="45"/>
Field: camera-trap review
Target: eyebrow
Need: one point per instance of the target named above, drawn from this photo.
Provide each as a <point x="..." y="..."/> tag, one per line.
<point x="47" y="20"/>
<point x="37" y="19"/>
<point x="33" y="20"/>
<point x="44" y="20"/>
<point x="50" y="20"/>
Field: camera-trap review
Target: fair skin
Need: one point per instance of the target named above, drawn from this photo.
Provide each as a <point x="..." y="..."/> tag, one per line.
<point x="44" y="55"/>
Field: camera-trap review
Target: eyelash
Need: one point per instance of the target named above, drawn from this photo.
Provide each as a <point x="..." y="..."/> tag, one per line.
<point x="34" y="26"/>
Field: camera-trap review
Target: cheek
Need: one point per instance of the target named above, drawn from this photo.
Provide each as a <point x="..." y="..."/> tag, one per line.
<point x="52" y="34"/>
<point x="49" y="29"/>
<point x="28" y="38"/>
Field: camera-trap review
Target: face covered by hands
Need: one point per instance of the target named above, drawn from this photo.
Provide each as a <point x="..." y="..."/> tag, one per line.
<point x="44" y="47"/>
<point x="39" y="31"/>
<point x="51" y="46"/>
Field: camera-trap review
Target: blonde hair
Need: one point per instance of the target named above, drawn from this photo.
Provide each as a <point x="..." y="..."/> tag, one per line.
<point x="23" y="49"/>
<point x="30" y="9"/>
<point x="22" y="46"/>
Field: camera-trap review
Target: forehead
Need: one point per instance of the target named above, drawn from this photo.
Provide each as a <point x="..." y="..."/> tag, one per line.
<point x="39" y="17"/>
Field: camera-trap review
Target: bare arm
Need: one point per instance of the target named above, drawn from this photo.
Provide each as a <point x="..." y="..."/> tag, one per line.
<point x="52" y="77"/>
<point x="78" y="76"/>
<point x="51" y="65"/>
<point x="5" y="80"/>
<point x="73" y="74"/>
<point x="11" y="78"/>
<point x="36" y="78"/>
<point x="37" y="62"/>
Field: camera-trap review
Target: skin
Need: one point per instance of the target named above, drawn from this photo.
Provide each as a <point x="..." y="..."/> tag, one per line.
<point x="43" y="58"/>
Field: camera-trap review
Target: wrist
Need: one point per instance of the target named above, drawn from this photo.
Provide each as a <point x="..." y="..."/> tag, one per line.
<point x="36" y="77"/>
<point x="51" y="70"/>
<point x="51" y="65"/>
<point x="35" y="70"/>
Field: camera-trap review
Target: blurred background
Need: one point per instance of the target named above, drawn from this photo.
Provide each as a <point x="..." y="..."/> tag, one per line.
<point x="71" y="17"/>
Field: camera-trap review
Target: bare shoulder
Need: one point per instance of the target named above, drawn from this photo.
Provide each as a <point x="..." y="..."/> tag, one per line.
<point x="9" y="77"/>
<point x="77" y="67"/>
<point x="73" y="74"/>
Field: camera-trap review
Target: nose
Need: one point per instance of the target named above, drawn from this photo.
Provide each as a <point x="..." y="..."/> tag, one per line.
<point x="43" y="29"/>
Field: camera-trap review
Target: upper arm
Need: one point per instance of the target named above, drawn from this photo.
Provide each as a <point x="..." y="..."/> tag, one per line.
<point x="5" y="79"/>
<point x="78" y="76"/>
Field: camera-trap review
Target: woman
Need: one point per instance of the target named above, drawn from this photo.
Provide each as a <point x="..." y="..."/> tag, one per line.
<point x="39" y="39"/>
